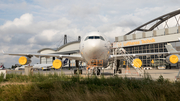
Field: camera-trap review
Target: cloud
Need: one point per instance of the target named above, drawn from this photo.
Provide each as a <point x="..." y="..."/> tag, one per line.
<point x="13" y="5"/>
<point x="48" y="3"/>
<point x="83" y="11"/>
<point x="18" y="25"/>
<point x="112" y="31"/>
<point x="43" y="38"/>
<point x="24" y="20"/>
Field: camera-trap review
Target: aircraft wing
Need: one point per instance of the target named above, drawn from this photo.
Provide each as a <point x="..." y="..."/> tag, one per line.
<point x="119" y="56"/>
<point x="71" y="57"/>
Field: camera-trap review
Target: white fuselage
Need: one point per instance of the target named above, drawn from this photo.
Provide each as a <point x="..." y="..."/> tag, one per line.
<point x="95" y="46"/>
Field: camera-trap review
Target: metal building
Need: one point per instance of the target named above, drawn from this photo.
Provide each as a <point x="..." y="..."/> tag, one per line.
<point x="149" y="38"/>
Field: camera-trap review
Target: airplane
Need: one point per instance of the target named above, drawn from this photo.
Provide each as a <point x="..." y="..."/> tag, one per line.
<point x="1" y="66"/>
<point x="36" y="66"/>
<point x="175" y="58"/>
<point x="94" y="47"/>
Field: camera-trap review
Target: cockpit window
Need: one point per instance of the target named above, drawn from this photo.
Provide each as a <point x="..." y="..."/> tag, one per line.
<point x="102" y="38"/>
<point x="91" y="37"/>
<point x="87" y="38"/>
<point x="94" y="37"/>
<point x="97" y="37"/>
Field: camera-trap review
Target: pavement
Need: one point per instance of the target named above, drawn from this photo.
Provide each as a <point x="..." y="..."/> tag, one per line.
<point x="154" y="73"/>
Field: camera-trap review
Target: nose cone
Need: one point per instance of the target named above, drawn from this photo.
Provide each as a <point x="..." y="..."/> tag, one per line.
<point x="94" y="46"/>
<point x="95" y="49"/>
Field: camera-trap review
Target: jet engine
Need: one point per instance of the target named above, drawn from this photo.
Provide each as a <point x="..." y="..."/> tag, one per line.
<point x="137" y="63"/>
<point x="57" y="63"/>
<point x="24" y="60"/>
<point x="173" y="59"/>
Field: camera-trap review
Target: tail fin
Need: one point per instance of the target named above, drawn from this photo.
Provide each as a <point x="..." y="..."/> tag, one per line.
<point x="170" y="48"/>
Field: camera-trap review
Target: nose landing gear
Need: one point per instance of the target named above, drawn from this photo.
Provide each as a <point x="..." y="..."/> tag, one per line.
<point x="96" y="71"/>
<point x="96" y="66"/>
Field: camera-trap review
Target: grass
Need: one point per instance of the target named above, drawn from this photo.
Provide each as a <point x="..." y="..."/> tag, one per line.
<point x="53" y="87"/>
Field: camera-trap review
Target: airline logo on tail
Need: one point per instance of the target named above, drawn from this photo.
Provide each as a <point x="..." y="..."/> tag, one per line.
<point x="65" y="61"/>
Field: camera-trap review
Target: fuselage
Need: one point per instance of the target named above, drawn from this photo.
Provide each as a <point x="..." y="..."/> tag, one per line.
<point x="95" y="46"/>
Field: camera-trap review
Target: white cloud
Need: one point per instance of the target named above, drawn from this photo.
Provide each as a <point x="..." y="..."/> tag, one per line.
<point x="83" y="11"/>
<point x="45" y="36"/>
<point x="113" y="31"/>
<point x="103" y="18"/>
<point x="24" y="20"/>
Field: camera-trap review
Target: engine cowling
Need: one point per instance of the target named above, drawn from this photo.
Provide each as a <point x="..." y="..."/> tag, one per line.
<point x="173" y="59"/>
<point x="137" y="63"/>
<point x="57" y="63"/>
<point x="24" y="60"/>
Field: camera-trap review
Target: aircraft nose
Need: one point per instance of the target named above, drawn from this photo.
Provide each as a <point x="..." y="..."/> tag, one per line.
<point x="95" y="47"/>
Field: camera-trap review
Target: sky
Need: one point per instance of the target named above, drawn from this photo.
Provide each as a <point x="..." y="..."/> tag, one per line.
<point x="27" y="26"/>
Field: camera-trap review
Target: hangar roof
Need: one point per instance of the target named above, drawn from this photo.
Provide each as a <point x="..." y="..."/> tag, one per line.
<point x="69" y="48"/>
<point x="156" y="22"/>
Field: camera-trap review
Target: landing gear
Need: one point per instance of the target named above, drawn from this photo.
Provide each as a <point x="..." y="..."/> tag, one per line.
<point x="117" y="70"/>
<point x="96" y="71"/>
<point x="77" y="70"/>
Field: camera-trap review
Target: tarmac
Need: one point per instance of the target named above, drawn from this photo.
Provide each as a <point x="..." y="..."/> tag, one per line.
<point x="131" y="73"/>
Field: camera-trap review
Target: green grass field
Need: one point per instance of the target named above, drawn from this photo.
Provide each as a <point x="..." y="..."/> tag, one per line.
<point x="76" y="88"/>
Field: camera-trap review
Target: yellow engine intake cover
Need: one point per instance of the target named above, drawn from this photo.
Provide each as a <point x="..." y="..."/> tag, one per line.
<point x="22" y="60"/>
<point x="137" y="62"/>
<point x="57" y="64"/>
<point x="173" y="59"/>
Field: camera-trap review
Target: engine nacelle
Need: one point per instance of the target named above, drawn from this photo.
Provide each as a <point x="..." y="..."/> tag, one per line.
<point x="24" y="60"/>
<point x="137" y="63"/>
<point x="57" y="63"/>
<point x="173" y="59"/>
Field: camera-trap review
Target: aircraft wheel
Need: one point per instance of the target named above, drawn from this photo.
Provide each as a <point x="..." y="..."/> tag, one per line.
<point x="119" y="71"/>
<point x="98" y="71"/>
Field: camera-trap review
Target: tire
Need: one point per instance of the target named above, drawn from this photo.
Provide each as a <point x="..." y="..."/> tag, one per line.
<point x="98" y="71"/>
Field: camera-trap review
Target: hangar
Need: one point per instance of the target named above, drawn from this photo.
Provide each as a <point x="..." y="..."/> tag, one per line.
<point x="70" y="48"/>
<point x="149" y="38"/>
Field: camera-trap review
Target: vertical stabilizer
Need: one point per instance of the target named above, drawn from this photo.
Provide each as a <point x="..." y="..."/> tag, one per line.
<point x="170" y="48"/>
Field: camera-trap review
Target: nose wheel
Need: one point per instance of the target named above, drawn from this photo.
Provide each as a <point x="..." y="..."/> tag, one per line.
<point x="96" y="71"/>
